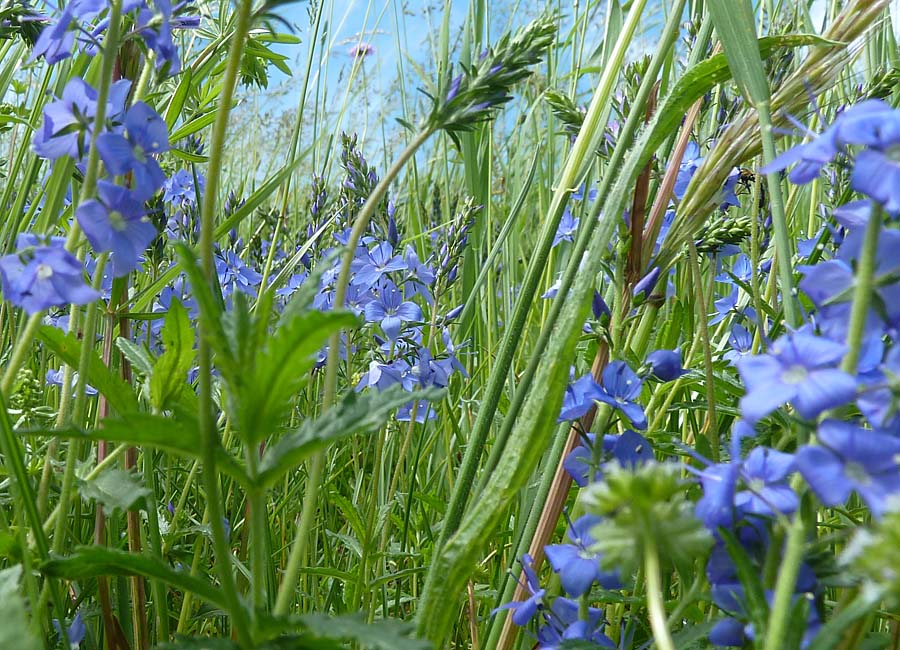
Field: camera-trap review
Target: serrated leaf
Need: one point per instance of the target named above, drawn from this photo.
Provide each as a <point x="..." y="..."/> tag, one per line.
<point x="357" y="413"/>
<point x="68" y="348"/>
<point x="115" y="489"/>
<point x="137" y="356"/>
<point x="281" y="366"/>
<point x="14" y="632"/>
<point x="92" y="561"/>
<point x="169" y="377"/>
<point x="381" y="635"/>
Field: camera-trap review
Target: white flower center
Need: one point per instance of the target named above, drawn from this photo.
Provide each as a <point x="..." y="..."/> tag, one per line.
<point x="44" y="272"/>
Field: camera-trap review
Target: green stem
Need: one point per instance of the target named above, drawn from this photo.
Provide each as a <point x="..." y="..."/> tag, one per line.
<point x="655" y="603"/>
<point x="784" y="250"/>
<point x="862" y="296"/>
<point x="208" y="430"/>
<point x="780" y="613"/>
<point x="158" y="587"/>
<point x="711" y="426"/>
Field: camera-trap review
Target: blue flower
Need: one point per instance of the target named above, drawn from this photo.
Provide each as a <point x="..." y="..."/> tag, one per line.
<point x="800" y="368"/>
<point x="645" y="285"/>
<point x="391" y="310"/>
<point x="629" y="449"/>
<point x="741" y="342"/>
<point x="579" y="567"/>
<point x="146" y="134"/>
<point x="620" y="389"/>
<point x="579" y="398"/>
<point x="767" y="492"/>
<point x="234" y="274"/>
<point x="524" y="611"/>
<point x="75" y="632"/>
<point x="689" y="164"/>
<point x="69" y="121"/>
<point x="418" y="278"/>
<point x="850" y="458"/>
<point x="665" y="365"/>
<point x="56" y="40"/>
<point x="568" y="226"/>
<point x="374" y="264"/>
<point x="116" y="222"/>
<point x="424" y="411"/>
<point x="43" y="274"/>
<point x="55" y="378"/>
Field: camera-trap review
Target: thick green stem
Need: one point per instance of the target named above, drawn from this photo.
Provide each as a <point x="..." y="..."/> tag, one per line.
<point x="208" y="432"/>
<point x="862" y="296"/>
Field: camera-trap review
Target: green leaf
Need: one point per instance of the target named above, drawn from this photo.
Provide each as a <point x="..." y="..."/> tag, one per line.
<point x="14" y="632"/>
<point x="115" y="489"/>
<point x="383" y="634"/>
<point x="176" y="103"/>
<point x="736" y="27"/>
<point x="177" y="433"/>
<point x="357" y="413"/>
<point x="194" y="125"/>
<point x="271" y="374"/>
<point x="137" y="356"/>
<point x="67" y="347"/>
<point x="169" y="376"/>
<point x="91" y="561"/>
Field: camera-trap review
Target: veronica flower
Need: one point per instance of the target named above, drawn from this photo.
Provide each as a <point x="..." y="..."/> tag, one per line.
<point x="54" y="377"/>
<point x="419" y="277"/>
<point x="741" y="269"/>
<point x="391" y="310"/>
<point x="146" y="134"/>
<point x="741" y="342"/>
<point x="69" y="121"/>
<point x="179" y="189"/>
<point x="629" y="449"/>
<point x="620" y="388"/>
<point x="382" y="375"/>
<point x="850" y="458"/>
<point x="56" y="40"/>
<point x="233" y="273"/>
<point x="665" y="365"/>
<point x="451" y="351"/>
<point x="568" y="226"/>
<point x="689" y="164"/>
<point x="799" y="368"/>
<point x="116" y="221"/>
<point x="43" y="274"/>
<point x="75" y="632"/>
<point x="293" y="284"/>
<point x="524" y="611"/>
<point x="565" y="626"/>
<point x="577" y="566"/>
<point x="374" y="264"/>
<point x="767" y="492"/>
<point x="424" y="412"/>
<point x="579" y="398"/>
<point x="829" y="285"/>
<point x="728" y="306"/>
